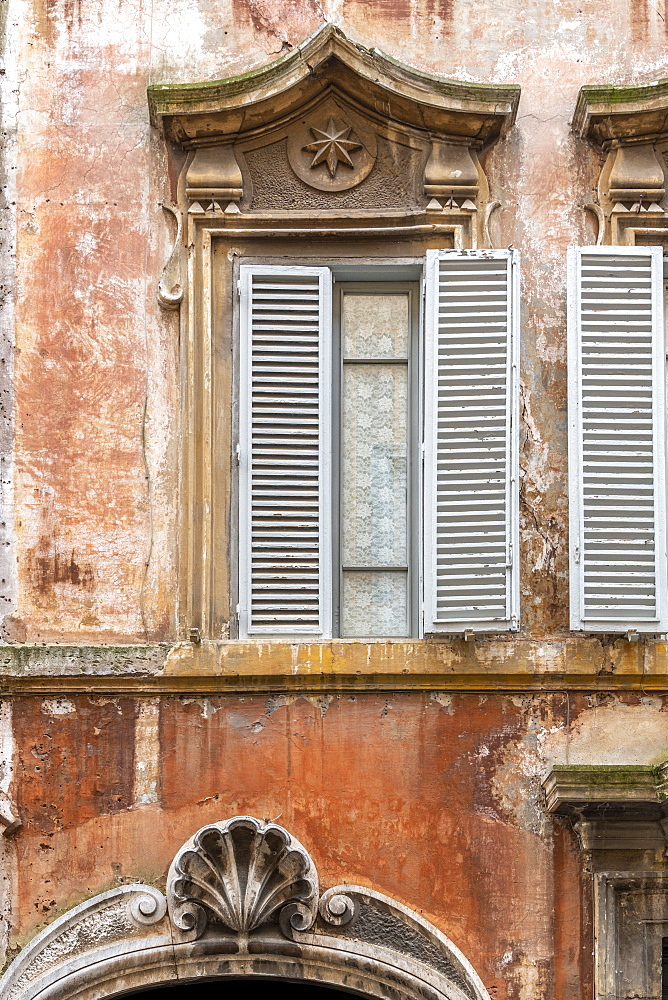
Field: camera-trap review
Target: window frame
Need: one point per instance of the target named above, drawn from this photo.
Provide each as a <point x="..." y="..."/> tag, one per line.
<point x="407" y="271"/>
<point x="411" y="269"/>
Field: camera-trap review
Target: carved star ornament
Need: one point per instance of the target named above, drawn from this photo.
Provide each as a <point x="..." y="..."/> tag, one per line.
<point x="332" y="146"/>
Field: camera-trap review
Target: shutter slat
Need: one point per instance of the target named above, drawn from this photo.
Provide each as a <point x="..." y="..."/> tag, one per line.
<point x="284" y="451"/>
<point x="617" y="434"/>
<point x="470" y="449"/>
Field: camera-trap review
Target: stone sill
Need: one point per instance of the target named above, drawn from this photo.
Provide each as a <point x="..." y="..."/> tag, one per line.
<point x="486" y="664"/>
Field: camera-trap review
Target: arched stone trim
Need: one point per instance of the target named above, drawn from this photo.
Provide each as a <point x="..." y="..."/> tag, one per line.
<point x="219" y="919"/>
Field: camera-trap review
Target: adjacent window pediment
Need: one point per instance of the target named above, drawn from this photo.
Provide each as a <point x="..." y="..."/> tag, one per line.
<point x="619" y="814"/>
<point x="630" y="125"/>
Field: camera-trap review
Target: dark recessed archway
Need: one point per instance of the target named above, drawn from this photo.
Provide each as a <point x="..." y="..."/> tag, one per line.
<point x="252" y="988"/>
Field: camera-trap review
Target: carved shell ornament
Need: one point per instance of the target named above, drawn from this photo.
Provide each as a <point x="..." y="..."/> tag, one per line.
<point x="242" y="873"/>
<point x="331" y="152"/>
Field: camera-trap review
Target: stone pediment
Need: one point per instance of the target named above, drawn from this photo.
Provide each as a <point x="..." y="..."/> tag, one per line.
<point x="336" y="129"/>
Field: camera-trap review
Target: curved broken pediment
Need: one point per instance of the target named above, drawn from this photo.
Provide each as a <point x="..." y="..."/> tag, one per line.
<point x="381" y="86"/>
<point x="335" y="130"/>
<point x="242" y="900"/>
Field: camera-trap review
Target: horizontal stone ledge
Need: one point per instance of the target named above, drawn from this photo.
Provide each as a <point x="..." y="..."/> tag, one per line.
<point x="486" y="663"/>
<point x="133" y="685"/>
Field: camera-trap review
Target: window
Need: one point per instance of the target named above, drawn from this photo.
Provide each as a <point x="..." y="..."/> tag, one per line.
<point x="378" y="451"/>
<point x="619" y="569"/>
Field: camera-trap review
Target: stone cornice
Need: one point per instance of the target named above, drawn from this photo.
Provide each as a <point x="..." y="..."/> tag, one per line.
<point x="575" y="787"/>
<point x="629" y="114"/>
<point x="201" y="113"/>
<point x="613" y="807"/>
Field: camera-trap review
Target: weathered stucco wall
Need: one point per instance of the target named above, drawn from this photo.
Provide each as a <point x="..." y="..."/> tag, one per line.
<point x="96" y="377"/>
<point x="430" y="797"/>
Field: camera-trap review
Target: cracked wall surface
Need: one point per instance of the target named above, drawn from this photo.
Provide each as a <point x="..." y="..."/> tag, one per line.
<point x="430" y="794"/>
<point x="96" y="538"/>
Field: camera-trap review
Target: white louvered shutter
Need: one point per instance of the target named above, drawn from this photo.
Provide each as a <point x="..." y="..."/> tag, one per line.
<point x="284" y="451"/>
<point x="617" y="439"/>
<point x="471" y="442"/>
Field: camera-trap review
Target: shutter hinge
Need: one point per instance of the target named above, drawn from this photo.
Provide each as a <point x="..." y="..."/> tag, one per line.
<point x="195" y="636"/>
<point x="469" y="635"/>
<point x="632" y="635"/>
<point x="576" y="554"/>
<point x="238" y="284"/>
<point x="237" y="453"/>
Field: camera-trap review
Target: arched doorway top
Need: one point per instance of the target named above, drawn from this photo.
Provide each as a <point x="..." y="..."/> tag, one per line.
<point x="242" y="899"/>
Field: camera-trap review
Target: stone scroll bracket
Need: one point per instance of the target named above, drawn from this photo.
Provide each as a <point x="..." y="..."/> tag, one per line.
<point x="338" y="136"/>
<point x="629" y="126"/>
<point x="242" y="899"/>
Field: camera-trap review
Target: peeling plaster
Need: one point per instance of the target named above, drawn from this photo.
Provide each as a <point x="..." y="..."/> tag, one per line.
<point x="58" y="706"/>
<point x="612" y="734"/>
<point x="8" y="872"/>
<point x="147" y="756"/>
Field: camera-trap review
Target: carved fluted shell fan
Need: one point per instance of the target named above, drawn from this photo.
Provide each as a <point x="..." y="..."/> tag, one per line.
<point x="241" y="873"/>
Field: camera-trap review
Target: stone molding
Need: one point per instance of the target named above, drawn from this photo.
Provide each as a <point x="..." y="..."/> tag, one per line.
<point x="217" y="668"/>
<point x="577" y="786"/>
<point x="629" y="125"/>
<point x="242" y="900"/>
<point x="106" y="924"/>
<point x="613" y="807"/>
<point x="203" y="113"/>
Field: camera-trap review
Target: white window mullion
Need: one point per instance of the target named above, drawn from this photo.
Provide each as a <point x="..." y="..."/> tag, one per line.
<point x="285" y="452"/>
<point x="617" y="440"/>
<point x="471" y="442"/>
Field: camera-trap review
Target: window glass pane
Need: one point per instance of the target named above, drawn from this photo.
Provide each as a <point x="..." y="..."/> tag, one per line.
<point x="374" y="465"/>
<point x="375" y="326"/>
<point x="374" y="604"/>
